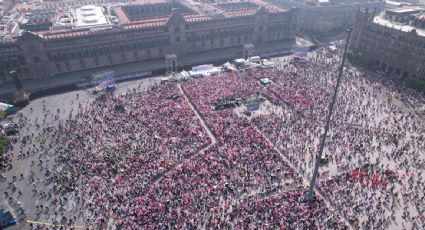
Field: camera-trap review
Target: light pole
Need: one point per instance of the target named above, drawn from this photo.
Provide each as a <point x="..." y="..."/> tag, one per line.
<point x="310" y="193"/>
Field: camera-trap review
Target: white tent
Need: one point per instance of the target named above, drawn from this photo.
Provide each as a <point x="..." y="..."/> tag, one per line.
<point x="6" y="108"/>
<point x="204" y="70"/>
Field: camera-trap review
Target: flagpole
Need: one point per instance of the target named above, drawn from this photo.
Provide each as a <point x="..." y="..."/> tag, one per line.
<point x="310" y="193"/>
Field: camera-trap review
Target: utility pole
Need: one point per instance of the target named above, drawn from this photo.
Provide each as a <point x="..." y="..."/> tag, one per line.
<point x="310" y="193"/>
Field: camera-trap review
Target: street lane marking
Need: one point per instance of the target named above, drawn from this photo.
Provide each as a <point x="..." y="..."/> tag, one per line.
<point x="54" y="225"/>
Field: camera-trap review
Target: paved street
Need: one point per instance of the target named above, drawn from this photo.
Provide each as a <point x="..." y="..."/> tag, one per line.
<point x="32" y="194"/>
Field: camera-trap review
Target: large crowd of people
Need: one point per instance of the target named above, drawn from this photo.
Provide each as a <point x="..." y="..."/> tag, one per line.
<point x="168" y="157"/>
<point x="375" y="121"/>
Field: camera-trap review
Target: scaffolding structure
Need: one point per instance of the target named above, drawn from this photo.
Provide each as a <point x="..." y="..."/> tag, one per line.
<point x="171" y="64"/>
<point x="248" y="50"/>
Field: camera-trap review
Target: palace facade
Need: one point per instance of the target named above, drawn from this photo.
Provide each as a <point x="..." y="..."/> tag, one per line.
<point x="394" y="40"/>
<point x="89" y="37"/>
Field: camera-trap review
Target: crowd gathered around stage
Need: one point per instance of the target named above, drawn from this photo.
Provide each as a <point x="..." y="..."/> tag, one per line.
<point x="167" y="157"/>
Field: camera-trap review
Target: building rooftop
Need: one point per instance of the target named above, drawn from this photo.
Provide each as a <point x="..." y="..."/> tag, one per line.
<point x="319" y="3"/>
<point x="406" y="20"/>
<point x="90" y="16"/>
<point x="83" y="20"/>
<point x="36" y="19"/>
<point x="160" y="9"/>
<point x="237" y="6"/>
<point x="5" y="40"/>
<point x="405" y="10"/>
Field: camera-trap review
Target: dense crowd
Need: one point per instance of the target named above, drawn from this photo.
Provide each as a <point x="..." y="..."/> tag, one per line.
<point x="169" y="157"/>
<point x="130" y="141"/>
<point x="375" y="121"/>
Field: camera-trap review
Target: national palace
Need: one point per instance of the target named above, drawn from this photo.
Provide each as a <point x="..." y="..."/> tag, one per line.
<point x="58" y="39"/>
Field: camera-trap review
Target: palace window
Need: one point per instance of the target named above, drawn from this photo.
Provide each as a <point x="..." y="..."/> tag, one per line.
<point x="15" y="63"/>
<point x="21" y="60"/>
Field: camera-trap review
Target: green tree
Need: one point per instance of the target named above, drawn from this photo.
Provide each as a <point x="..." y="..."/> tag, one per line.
<point x="4" y="141"/>
<point x="415" y="83"/>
